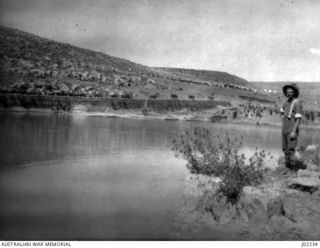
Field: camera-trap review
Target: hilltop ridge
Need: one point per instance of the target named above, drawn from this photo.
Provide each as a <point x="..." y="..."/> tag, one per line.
<point x="35" y="60"/>
<point x="206" y="75"/>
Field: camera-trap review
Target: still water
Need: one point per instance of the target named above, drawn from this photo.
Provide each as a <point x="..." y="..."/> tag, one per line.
<point x="73" y="177"/>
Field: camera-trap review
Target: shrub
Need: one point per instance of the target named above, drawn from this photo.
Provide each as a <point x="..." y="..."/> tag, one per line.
<point x="312" y="154"/>
<point x="234" y="114"/>
<point x="219" y="156"/>
<point x="145" y="111"/>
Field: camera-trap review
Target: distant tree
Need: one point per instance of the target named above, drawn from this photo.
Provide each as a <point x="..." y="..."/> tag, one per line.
<point x="174" y="96"/>
<point x="270" y="111"/>
<point x="155" y="95"/>
<point x="312" y="116"/>
<point x="307" y="115"/>
<point x="114" y="95"/>
<point x="127" y="95"/>
<point x="258" y="113"/>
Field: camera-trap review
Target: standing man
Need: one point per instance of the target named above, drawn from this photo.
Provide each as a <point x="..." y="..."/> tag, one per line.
<point x="291" y="114"/>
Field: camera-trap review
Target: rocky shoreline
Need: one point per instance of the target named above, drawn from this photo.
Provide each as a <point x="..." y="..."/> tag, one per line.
<point x="285" y="207"/>
<point x="170" y="110"/>
<point x="169" y="116"/>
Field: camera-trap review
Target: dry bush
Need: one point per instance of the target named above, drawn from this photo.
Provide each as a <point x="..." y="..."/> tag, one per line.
<point x="219" y="156"/>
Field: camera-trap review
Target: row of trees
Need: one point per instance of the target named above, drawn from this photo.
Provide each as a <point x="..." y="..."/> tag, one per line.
<point x="62" y="89"/>
<point x="259" y="111"/>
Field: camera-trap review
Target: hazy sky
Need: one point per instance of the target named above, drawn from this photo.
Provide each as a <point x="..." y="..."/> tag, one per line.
<point x="269" y="40"/>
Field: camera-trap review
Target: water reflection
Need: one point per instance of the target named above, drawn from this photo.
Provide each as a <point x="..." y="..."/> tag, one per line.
<point x="97" y="177"/>
<point x="38" y="137"/>
<point x="118" y="197"/>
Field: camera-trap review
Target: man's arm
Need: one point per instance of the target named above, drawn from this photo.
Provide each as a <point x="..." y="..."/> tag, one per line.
<point x="282" y="111"/>
<point x="297" y="118"/>
<point x="293" y="133"/>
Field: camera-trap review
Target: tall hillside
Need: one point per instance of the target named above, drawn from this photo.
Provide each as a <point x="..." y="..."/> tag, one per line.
<point x="38" y="65"/>
<point x="205" y="75"/>
<point x="21" y="50"/>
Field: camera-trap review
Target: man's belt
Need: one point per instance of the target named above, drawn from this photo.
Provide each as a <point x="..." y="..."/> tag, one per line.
<point x="289" y="118"/>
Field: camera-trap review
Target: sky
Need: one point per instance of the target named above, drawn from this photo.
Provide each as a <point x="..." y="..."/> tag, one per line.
<point x="258" y="40"/>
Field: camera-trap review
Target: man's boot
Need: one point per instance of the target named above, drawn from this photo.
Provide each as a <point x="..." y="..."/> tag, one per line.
<point x="287" y="160"/>
<point x="293" y="162"/>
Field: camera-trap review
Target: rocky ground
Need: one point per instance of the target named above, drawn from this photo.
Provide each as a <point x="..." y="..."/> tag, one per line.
<point x="284" y="207"/>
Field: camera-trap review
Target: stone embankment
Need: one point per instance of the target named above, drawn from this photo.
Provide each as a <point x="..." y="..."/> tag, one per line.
<point x="91" y="104"/>
<point x="173" y="109"/>
<point x="284" y="207"/>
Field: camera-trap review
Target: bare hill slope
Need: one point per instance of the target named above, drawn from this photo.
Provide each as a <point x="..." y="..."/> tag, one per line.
<point x="36" y="65"/>
<point x="205" y="75"/>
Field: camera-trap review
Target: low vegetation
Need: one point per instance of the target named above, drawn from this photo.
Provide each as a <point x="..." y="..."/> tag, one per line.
<point x="219" y="156"/>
